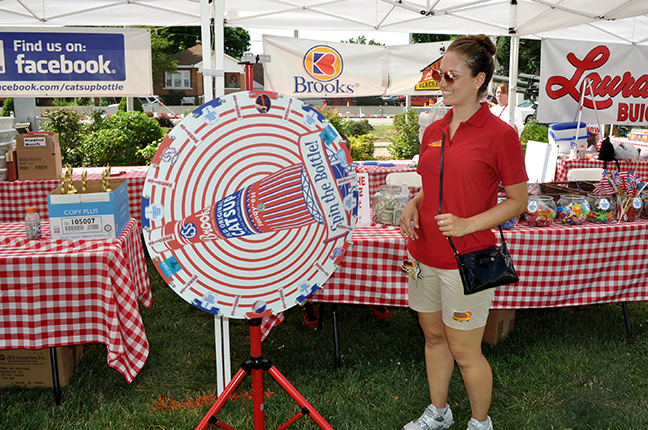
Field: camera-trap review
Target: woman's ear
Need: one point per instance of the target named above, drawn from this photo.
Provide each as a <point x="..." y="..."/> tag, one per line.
<point x="481" y="77"/>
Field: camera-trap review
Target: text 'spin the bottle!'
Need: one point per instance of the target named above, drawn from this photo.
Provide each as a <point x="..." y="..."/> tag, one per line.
<point x="33" y="223"/>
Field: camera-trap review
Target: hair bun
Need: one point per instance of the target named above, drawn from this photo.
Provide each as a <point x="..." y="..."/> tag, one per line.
<point x="486" y="43"/>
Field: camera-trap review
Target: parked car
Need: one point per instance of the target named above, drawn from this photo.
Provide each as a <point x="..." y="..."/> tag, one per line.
<point x="528" y="110"/>
<point x="151" y="101"/>
<point x="147" y="101"/>
<point x="492" y="101"/>
<point x="423" y="100"/>
<point x="394" y="100"/>
<point x="414" y="100"/>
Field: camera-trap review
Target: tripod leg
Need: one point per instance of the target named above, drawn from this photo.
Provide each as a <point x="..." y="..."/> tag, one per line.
<point x="55" y="376"/>
<point x="256" y="356"/>
<point x="257" y="399"/>
<point x="220" y="402"/>
<point x="626" y="316"/>
<point x="336" y="337"/>
<point x="301" y="401"/>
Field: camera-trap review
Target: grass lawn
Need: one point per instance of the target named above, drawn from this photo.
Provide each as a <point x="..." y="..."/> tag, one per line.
<point x="571" y="368"/>
<point x="384" y="133"/>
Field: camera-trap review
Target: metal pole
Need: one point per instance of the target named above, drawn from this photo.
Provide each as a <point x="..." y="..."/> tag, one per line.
<point x="513" y="61"/>
<point x="219" y="46"/>
<point x="205" y="36"/>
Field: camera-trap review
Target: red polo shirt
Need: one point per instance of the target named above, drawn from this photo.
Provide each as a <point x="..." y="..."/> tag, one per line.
<point x="483" y="152"/>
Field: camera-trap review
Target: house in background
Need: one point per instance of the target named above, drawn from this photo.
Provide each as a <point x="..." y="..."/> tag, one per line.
<point x="184" y="86"/>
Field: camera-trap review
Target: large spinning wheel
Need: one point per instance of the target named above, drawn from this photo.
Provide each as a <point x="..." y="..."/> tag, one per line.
<point x="249" y="204"/>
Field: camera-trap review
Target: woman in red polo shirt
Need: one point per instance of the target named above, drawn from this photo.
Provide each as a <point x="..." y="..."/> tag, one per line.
<point x="480" y="153"/>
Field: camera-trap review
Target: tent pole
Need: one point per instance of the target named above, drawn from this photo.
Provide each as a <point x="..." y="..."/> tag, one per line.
<point x="219" y="46"/>
<point x="217" y="62"/>
<point x="408" y="98"/>
<point x="513" y="76"/>
<point x="130" y="104"/>
<point x="214" y="85"/>
<point x="513" y="61"/>
<point x="205" y="36"/>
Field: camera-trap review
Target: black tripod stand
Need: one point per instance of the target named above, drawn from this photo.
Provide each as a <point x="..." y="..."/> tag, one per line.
<point x="257" y="364"/>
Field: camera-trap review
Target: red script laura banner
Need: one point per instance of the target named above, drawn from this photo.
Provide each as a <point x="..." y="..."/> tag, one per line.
<point x="617" y="74"/>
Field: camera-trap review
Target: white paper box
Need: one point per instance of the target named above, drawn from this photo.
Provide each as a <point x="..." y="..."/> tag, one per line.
<point x="93" y="215"/>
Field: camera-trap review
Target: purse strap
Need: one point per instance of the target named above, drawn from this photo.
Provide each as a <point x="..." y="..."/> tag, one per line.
<point x="454" y="249"/>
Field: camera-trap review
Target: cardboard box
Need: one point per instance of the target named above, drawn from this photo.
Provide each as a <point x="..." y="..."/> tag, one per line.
<point x="93" y="215"/>
<point x="499" y="325"/>
<point x="33" y="368"/>
<point x="38" y="155"/>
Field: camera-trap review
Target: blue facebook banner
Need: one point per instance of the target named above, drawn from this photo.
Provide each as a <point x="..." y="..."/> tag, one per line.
<point x="62" y="57"/>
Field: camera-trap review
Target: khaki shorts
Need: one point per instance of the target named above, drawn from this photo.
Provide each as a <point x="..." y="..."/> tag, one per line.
<point x="441" y="290"/>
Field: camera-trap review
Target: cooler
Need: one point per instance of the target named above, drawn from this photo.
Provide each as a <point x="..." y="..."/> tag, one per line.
<point x="564" y="133"/>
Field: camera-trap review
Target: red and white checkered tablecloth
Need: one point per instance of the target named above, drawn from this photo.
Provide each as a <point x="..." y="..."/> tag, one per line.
<point x="565" y="165"/>
<point x="378" y="172"/>
<point x="370" y="273"/>
<point x="67" y="292"/>
<point x="576" y="265"/>
<point x="558" y="266"/>
<point x="17" y="196"/>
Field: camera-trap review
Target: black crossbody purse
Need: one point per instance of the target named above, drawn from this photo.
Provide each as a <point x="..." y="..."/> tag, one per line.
<point x="481" y="270"/>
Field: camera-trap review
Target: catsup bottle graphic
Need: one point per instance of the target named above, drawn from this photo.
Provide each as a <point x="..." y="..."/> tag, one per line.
<point x="295" y="196"/>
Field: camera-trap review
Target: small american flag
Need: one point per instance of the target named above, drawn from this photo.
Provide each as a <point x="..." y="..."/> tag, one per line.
<point x="605" y="187"/>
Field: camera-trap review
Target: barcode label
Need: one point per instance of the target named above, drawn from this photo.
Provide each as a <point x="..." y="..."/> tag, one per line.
<point x="81" y="224"/>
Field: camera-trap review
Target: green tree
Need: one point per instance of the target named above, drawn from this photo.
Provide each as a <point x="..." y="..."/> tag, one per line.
<point x="137" y="105"/>
<point x="67" y="123"/>
<point x="362" y="147"/>
<point x="362" y="40"/>
<point x="534" y="131"/>
<point x="429" y="38"/>
<point x="119" y="139"/>
<point x="529" y="56"/>
<point x="356" y="133"/>
<point x="236" y="40"/>
<point x="405" y="145"/>
<point x="160" y="56"/>
<point x="7" y="106"/>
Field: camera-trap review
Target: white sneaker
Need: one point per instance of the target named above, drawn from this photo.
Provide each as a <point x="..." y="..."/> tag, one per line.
<point x="473" y="424"/>
<point x="431" y="419"/>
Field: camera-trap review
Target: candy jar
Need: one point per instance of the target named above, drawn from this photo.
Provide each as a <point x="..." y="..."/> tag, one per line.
<point x="541" y="210"/>
<point x="601" y="208"/>
<point x="572" y="209"/>
<point x="510" y="223"/>
<point x="388" y="204"/>
<point x="644" y="200"/>
<point x="629" y="208"/>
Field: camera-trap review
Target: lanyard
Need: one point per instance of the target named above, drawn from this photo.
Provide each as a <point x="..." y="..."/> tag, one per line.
<point x="502" y="111"/>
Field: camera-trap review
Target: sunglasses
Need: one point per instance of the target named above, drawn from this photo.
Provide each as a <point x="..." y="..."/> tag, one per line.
<point x="449" y="77"/>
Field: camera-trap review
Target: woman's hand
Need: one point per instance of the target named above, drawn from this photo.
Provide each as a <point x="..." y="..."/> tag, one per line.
<point x="409" y="221"/>
<point x="515" y="203"/>
<point x="452" y="225"/>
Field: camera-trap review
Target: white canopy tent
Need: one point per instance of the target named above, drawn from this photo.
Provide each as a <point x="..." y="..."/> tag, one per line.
<point x="586" y="19"/>
<point x="632" y="30"/>
<point x="583" y="19"/>
<point x="495" y="17"/>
